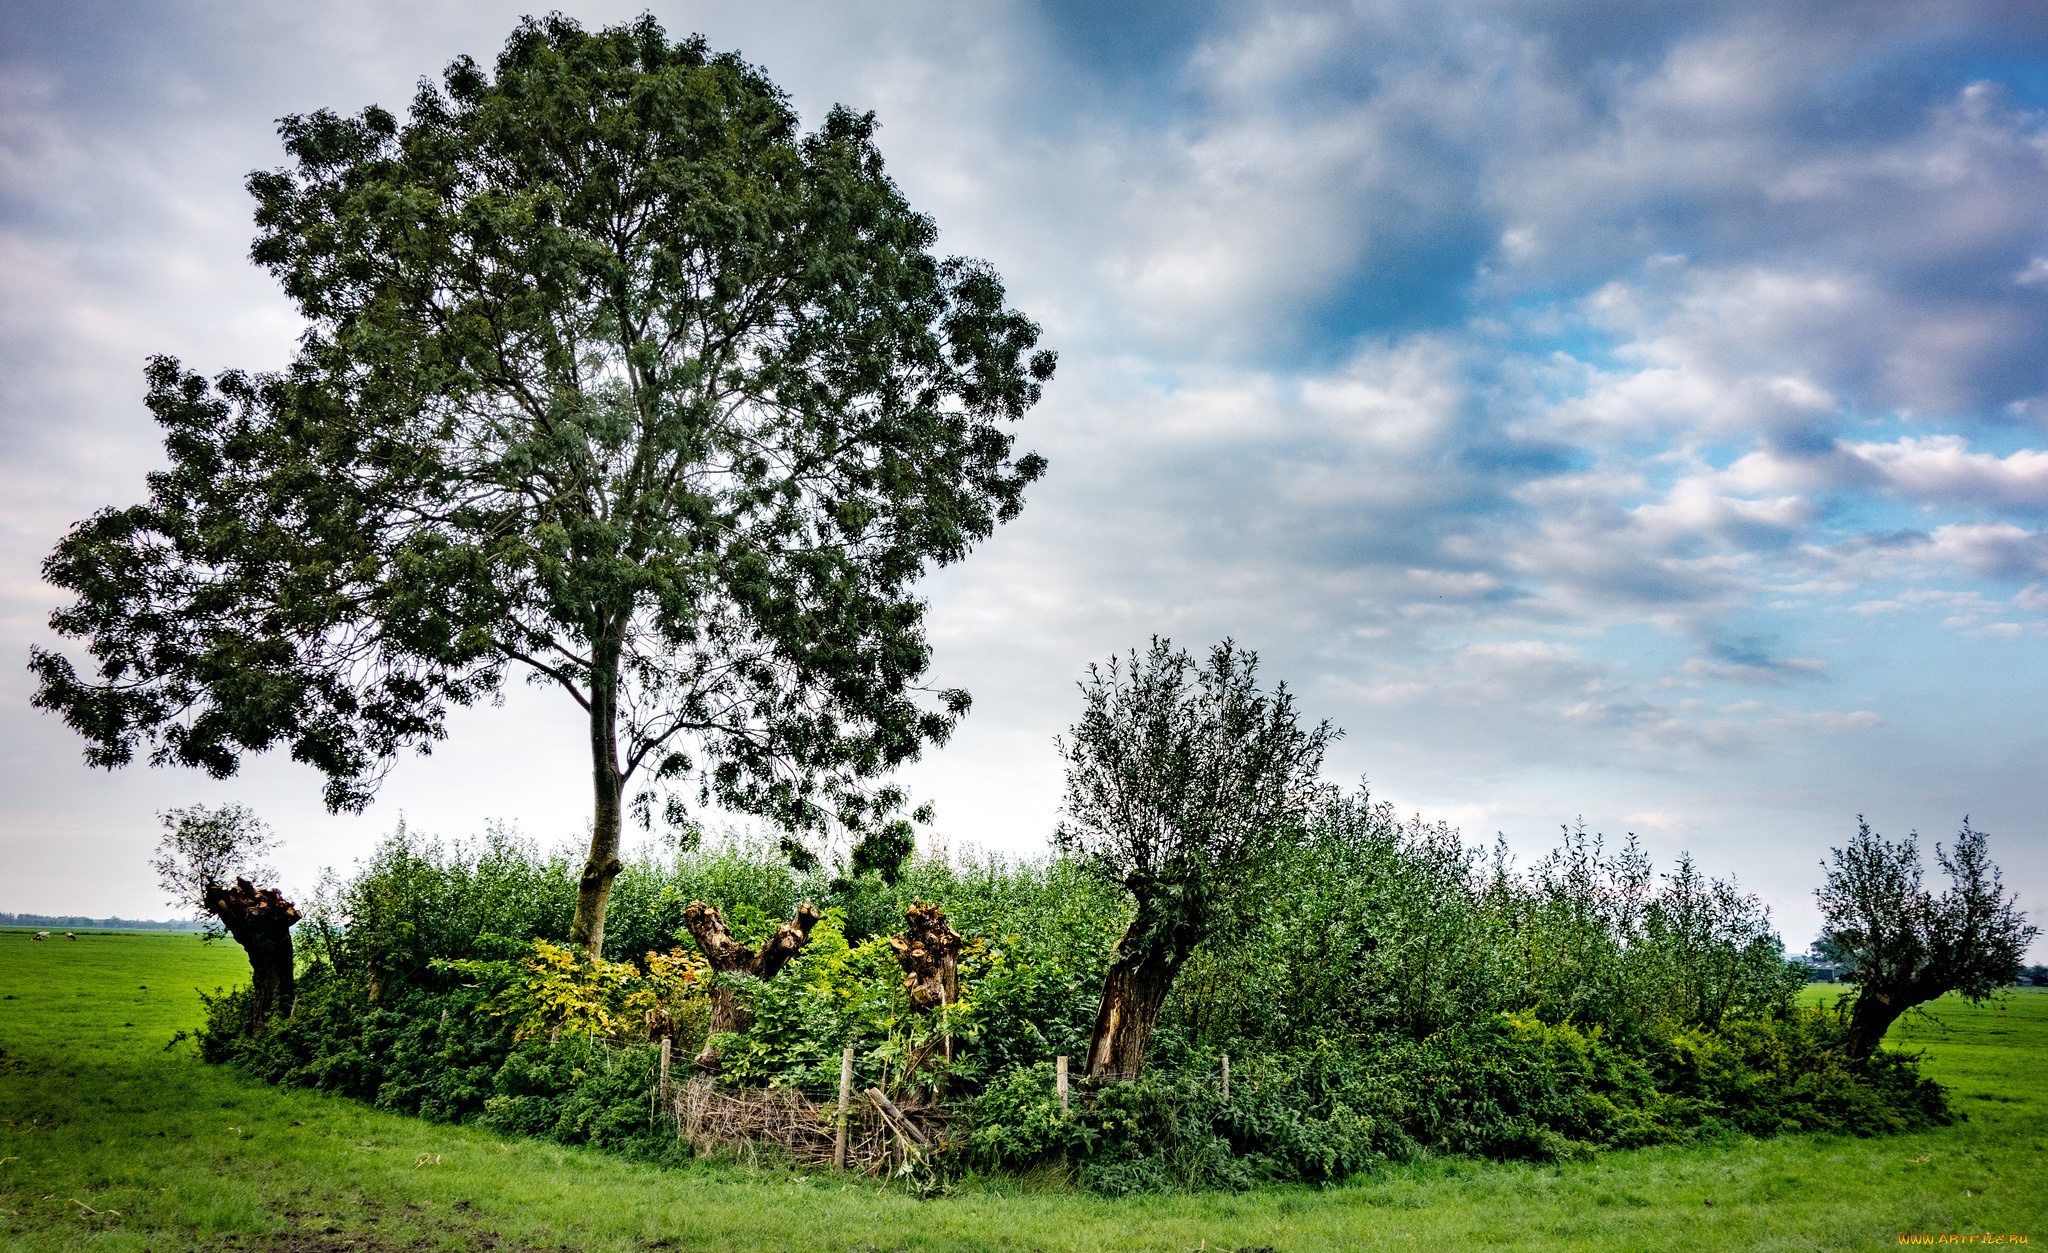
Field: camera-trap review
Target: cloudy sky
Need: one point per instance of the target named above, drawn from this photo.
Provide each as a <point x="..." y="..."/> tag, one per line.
<point x="1636" y="412"/>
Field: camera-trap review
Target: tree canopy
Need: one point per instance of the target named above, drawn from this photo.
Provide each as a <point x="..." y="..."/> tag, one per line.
<point x="610" y="375"/>
<point x="202" y="849"/>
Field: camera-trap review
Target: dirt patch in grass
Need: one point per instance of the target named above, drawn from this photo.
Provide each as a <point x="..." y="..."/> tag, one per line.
<point x="336" y="1240"/>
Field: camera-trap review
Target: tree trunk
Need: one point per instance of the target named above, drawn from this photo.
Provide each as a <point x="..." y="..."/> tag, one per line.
<point x="727" y="955"/>
<point x="1132" y="993"/>
<point x="594" y="886"/>
<point x="1872" y="1014"/>
<point x="261" y="922"/>
<point x="929" y="952"/>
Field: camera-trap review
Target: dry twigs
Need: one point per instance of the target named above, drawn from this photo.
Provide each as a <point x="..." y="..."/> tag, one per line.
<point x="710" y="1118"/>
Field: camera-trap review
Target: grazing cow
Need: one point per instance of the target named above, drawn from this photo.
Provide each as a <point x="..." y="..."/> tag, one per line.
<point x="40" y="935"/>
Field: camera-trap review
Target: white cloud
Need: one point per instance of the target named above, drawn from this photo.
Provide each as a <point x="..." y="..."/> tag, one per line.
<point x="1991" y="549"/>
<point x="1933" y="470"/>
<point x="1662" y="823"/>
<point x="1941" y="469"/>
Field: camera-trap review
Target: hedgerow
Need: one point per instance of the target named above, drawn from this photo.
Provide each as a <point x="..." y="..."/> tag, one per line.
<point x="1393" y="994"/>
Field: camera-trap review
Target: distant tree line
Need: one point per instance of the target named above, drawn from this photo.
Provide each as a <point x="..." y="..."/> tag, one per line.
<point x="111" y="924"/>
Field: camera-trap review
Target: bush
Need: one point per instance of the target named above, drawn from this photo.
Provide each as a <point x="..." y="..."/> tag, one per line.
<point x="553" y="991"/>
<point x="444" y="1056"/>
<point x="1798" y="1073"/>
<point x="1507" y="1086"/>
<point x="1377" y="925"/>
<point x="418" y="902"/>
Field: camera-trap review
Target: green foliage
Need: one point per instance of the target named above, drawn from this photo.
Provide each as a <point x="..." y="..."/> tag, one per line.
<point x="417" y="901"/>
<point x="1023" y="1005"/>
<point x="1901" y="944"/>
<point x="837" y="994"/>
<point x="415" y="1051"/>
<point x="1507" y="1086"/>
<point x="446" y="1056"/>
<point x="1396" y="995"/>
<point x="831" y="996"/>
<point x="230" y="1021"/>
<point x="1017" y="1122"/>
<point x="1797" y="1073"/>
<point x="744" y="877"/>
<point x="680" y="984"/>
<point x="686" y="468"/>
<point x="203" y="848"/>
<point x="1377" y="925"/>
<point x="883" y="851"/>
<point x="553" y="992"/>
<point x="384" y="1018"/>
<point x="578" y="1092"/>
<point x="1183" y="784"/>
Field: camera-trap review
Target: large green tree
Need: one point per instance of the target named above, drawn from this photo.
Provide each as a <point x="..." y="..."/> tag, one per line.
<point x="610" y="375"/>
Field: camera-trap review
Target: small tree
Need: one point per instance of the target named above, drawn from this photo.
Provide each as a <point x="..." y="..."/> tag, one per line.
<point x="1181" y="784"/>
<point x="209" y="861"/>
<point x="1908" y="945"/>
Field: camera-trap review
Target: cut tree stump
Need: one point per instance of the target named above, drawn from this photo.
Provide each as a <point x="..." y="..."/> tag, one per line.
<point x="728" y="956"/>
<point x="261" y="921"/>
<point x="929" y="953"/>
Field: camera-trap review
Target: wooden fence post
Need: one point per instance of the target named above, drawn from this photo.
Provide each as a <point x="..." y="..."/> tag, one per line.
<point x="845" y="1100"/>
<point x="666" y="1044"/>
<point x="1226" y="1078"/>
<point x="1060" y="1082"/>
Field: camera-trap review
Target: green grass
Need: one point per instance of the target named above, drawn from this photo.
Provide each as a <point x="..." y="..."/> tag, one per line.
<point x="110" y="1142"/>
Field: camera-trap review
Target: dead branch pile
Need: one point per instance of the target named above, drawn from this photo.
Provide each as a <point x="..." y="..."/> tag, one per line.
<point x="711" y="1118"/>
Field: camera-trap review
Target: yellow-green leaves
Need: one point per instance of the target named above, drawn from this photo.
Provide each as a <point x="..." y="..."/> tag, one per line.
<point x="557" y="992"/>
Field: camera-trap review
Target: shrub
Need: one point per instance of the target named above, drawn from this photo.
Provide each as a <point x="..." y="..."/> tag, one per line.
<point x="1798" y="1073"/>
<point x="418" y="902"/>
<point x="1376" y="926"/>
<point x="581" y="1091"/>
<point x="1505" y="1086"/>
<point x="553" y="991"/>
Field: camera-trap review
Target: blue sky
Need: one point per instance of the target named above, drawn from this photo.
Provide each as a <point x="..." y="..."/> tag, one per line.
<point x="1636" y="412"/>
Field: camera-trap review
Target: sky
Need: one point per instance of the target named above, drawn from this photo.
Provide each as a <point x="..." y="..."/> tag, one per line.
<point x="1636" y="414"/>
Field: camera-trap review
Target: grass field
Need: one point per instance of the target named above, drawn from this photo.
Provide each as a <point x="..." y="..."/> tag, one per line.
<point x="107" y="1141"/>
